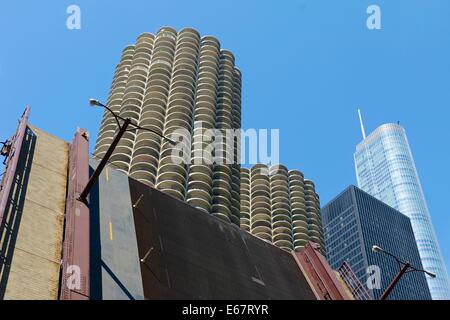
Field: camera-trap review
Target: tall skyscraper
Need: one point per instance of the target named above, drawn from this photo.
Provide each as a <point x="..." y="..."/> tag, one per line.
<point x="167" y="82"/>
<point x="385" y="169"/>
<point x="280" y="206"/>
<point x="354" y="222"/>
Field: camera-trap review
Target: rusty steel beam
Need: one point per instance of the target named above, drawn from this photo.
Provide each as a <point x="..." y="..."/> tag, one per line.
<point x="75" y="264"/>
<point x="321" y="277"/>
<point x="11" y="164"/>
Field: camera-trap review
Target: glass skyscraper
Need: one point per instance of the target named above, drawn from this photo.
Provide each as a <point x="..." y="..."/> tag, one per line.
<point x="385" y="169"/>
<point x="355" y="221"/>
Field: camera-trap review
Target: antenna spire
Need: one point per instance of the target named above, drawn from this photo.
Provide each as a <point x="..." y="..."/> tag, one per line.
<point x="362" y="125"/>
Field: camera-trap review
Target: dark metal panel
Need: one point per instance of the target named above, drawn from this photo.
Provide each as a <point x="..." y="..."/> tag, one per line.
<point x="115" y="266"/>
<point x="75" y="271"/>
<point x="190" y="254"/>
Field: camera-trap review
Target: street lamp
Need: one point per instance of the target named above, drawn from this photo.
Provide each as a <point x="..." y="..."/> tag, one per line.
<point x="123" y="128"/>
<point x="405" y="267"/>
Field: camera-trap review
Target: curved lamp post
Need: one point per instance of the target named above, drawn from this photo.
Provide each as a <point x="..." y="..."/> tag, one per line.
<point x="123" y="128"/>
<point x="405" y="267"/>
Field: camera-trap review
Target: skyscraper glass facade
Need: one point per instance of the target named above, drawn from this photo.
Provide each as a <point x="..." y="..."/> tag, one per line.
<point x="385" y="169"/>
<point x="354" y="222"/>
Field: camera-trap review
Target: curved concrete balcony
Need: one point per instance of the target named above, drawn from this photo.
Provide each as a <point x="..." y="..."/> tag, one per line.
<point x="162" y="67"/>
<point x="263" y="233"/>
<point x="244" y="199"/>
<point x="226" y="80"/>
<point x="200" y="189"/>
<point x="312" y="210"/>
<point x="259" y="169"/>
<point x="182" y="108"/>
<point x="206" y="89"/>
<point x="145" y="37"/>
<point x="200" y="168"/>
<point x="260" y="202"/>
<point x="315" y="239"/>
<point x="260" y="190"/>
<point x="281" y="221"/>
<point x="203" y="117"/>
<point x="211" y="41"/>
<point x="300" y="221"/>
<point x="278" y="188"/>
<point x="221" y="188"/>
<point x="221" y="200"/>
<point x="145" y="45"/>
<point x="138" y="77"/>
<point x="147" y="138"/>
<point x="144" y="162"/>
<point x="176" y="123"/>
<point x="186" y="80"/>
<point x="284" y="244"/>
<point x="279" y="168"/>
<point x="151" y="120"/>
<point x="209" y="76"/>
<point x="208" y="65"/>
<point x="141" y="62"/>
<point x="223" y="123"/>
<point x="314" y="220"/>
<point x="163" y="50"/>
<point x="315" y="233"/>
<point x="146" y="154"/>
<point x="260" y="223"/>
<point x="280" y="194"/>
<point x="169" y="182"/>
<point x="189" y="47"/>
<point x="120" y="161"/>
<point x="158" y="77"/>
<point x="283" y="241"/>
<point x="281" y="215"/>
<point x="227" y="55"/>
<point x="300" y="230"/>
<point x="198" y="203"/>
<point x="156" y="95"/>
<point x="261" y="216"/>
<point x="190" y="32"/>
<point x="245" y="182"/>
<point x="300" y="244"/>
<point x="221" y="212"/>
<point x="245" y="224"/>
<point x="282" y="232"/>
<point x="198" y="179"/>
<point x="144" y="176"/>
<point x="134" y="92"/>
<point x="182" y="86"/>
<point x="280" y="205"/>
<point x="185" y="69"/>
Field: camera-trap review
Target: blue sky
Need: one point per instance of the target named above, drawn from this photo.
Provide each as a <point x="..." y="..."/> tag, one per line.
<point x="307" y="66"/>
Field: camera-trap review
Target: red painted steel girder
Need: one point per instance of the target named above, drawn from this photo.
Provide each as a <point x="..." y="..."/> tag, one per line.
<point x="75" y="265"/>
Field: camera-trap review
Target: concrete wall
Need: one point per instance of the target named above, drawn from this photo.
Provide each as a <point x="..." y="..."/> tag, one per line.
<point x="31" y="233"/>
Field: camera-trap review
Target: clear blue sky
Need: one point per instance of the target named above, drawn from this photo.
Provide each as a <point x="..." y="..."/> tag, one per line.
<point x="307" y="66"/>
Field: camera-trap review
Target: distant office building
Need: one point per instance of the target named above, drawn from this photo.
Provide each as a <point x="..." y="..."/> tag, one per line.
<point x="355" y="221"/>
<point x="280" y="206"/>
<point x="167" y="82"/>
<point x="385" y="169"/>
